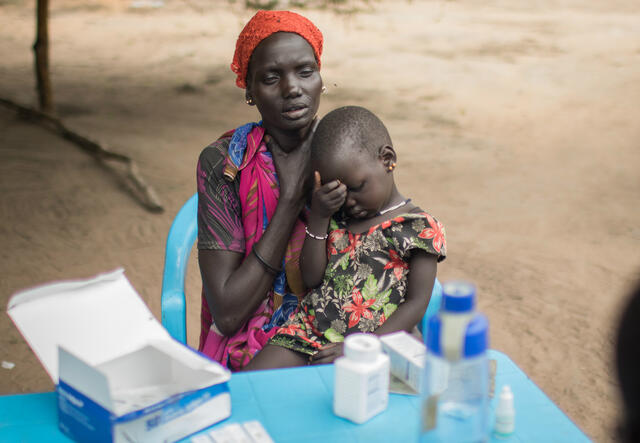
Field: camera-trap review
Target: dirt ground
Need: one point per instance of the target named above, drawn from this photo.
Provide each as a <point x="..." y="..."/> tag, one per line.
<point x="516" y="123"/>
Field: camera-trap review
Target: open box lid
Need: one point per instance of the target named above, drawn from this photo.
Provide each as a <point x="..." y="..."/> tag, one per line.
<point x="96" y="319"/>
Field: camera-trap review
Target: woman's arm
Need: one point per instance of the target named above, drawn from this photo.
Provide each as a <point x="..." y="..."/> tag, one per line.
<point x="325" y="201"/>
<point x="234" y="287"/>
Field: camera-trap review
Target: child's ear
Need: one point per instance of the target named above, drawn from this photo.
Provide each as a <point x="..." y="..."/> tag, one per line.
<point x="387" y="155"/>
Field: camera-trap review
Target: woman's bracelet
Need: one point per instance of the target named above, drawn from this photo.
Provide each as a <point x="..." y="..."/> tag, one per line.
<point x="315" y="237"/>
<point x="267" y="266"/>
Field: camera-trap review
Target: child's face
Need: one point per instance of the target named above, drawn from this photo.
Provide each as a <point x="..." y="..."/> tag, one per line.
<point x="369" y="183"/>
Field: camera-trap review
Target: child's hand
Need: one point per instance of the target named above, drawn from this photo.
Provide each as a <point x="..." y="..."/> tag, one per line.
<point x="327" y="354"/>
<point x="327" y="198"/>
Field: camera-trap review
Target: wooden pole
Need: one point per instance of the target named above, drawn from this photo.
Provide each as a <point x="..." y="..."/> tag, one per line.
<point x="41" y="53"/>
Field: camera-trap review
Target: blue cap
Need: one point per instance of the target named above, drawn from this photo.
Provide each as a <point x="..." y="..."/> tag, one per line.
<point x="458" y="296"/>
<point x="476" y="340"/>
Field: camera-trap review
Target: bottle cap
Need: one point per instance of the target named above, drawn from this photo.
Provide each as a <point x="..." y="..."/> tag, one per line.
<point x="458" y="296"/>
<point x="476" y="338"/>
<point x="362" y="347"/>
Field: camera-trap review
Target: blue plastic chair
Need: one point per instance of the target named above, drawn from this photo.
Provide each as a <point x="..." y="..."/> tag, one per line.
<point x="434" y="306"/>
<point x="180" y="240"/>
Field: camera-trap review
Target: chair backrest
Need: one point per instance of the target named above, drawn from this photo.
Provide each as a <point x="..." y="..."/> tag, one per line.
<point x="180" y="240"/>
<point x="434" y="306"/>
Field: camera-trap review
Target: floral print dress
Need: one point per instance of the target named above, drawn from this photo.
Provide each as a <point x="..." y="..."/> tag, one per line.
<point x="364" y="282"/>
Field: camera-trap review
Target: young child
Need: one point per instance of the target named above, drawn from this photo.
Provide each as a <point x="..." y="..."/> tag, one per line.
<point x="370" y="255"/>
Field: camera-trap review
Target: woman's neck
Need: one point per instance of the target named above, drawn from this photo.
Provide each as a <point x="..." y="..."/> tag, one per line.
<point x="287" y="140"/>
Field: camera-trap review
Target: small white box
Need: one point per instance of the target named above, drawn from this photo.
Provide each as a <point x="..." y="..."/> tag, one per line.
<point x="120" y="376"/>
<point x="407" y="355"/>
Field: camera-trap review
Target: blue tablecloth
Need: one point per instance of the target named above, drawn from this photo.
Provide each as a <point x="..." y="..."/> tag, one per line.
<point x="295" y="405"/>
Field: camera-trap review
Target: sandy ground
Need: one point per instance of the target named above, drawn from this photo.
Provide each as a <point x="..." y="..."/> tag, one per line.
<point x="516" y="123"/>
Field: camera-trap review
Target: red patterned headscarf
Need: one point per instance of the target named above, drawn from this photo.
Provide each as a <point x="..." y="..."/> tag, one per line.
<point x="261" y="26"/>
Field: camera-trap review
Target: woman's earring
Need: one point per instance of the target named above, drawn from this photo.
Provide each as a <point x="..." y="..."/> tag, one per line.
<point x="249" y="101"/>
<point x="324" y="89"/>
<point x="391" y="167"/>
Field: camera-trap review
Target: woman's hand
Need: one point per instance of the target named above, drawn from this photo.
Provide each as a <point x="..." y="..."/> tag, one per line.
<point x="327" y="354"/>
<point x="328" y="198"/>
<point x="293" y="167"/>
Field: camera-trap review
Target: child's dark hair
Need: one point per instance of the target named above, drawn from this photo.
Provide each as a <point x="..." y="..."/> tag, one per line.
<point x="354" y="122"/>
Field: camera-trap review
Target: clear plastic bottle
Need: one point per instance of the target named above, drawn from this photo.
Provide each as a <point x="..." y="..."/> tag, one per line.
<point x="361" y="388"/>
<point x="455" y="399"/>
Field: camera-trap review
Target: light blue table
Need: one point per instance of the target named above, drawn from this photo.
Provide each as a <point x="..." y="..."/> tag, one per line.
<point x="295" y="405"/>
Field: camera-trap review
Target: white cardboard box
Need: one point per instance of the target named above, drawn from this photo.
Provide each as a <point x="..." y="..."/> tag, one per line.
<point x="120" y="376"/>
<point x="407" y="356"/>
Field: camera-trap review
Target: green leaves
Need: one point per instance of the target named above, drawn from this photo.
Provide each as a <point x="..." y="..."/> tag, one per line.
<point x="382" y="300"/>
<point x="370" y="288"/>
<point x="389" y="309"/>
<point x="333" y="336"/>
<point x="370" y="291"/>
<point x="342" y="285"/>
<point x="343" y="262"/>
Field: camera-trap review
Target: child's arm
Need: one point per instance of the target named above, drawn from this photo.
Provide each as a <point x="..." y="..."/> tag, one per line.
<point x="325" y="201"/>
<point x="421" y="278"/>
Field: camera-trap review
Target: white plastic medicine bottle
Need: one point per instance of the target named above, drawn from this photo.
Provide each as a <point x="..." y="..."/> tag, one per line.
<point x="361" y="388"/>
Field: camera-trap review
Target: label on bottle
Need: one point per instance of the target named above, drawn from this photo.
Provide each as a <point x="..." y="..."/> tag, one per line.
<point x="376" y="392"/>
<point x="505" y="425"/>
<point x="438" y="375"/>
<point x="430" y="413"/>
<point x="456" y="400"/>
<point x="452" y="339"/>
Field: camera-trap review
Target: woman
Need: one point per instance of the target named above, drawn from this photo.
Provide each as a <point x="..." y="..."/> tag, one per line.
<point x="252" y="184"/>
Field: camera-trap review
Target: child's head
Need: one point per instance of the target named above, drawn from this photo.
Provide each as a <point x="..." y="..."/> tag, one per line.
<point x="353" y="146"/>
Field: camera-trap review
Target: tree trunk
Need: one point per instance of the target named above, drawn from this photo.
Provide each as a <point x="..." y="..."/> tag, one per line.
<point x="41" y="52"/>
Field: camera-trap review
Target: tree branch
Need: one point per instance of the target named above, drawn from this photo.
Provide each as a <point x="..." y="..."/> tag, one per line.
<point x="133" y="181"/>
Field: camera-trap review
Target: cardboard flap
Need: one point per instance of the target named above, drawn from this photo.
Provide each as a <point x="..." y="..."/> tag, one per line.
<point x="96" y="319"/>
<point x="86" y="379"/>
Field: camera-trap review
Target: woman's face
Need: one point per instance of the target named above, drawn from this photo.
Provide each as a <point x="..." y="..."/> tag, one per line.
<point x="284" y="82"/>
